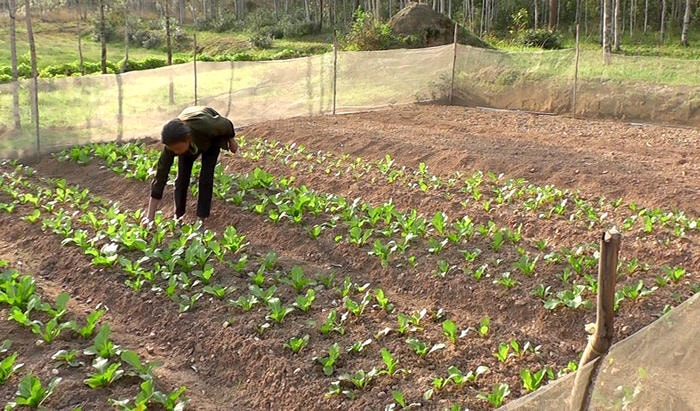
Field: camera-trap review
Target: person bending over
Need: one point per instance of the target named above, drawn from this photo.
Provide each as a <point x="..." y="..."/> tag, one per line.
<point x="196" y="131"/>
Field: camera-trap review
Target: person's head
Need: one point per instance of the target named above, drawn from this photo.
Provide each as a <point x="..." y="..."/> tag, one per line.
<point x="176" y="136"/>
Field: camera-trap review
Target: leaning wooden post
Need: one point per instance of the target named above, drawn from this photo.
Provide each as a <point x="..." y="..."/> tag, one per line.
<point x="599" y="343"/>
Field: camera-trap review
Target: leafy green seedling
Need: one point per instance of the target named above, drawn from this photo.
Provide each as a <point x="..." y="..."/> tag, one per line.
<point x="277" y="310"/>
<point x="484" y="325"/>
<point x="390" y="363"/>
<point x="32" y="393"/>
<point x="359" y="346"/>
<point x="297" y="279"/>
<point x="328" y="361"/>
<point x="383" y="301"/>
<point x="497" y="395"/>
<point x="90" y="323"/>
<point x="67" y="357"/>
<point x="244" y="302"/>
<point x="297" y="343"/>
<point x="303" y="302"/>
<point x="102" y="346"/>
<point x="105" y="374"/>
<point x="357" y="308"/>
<point x="532" y="381"/>
<point x="503" y="352"/>
<point x="143" y="370"/>
<point x="8" y="367"/>
<point x="359" y="379"/>
<point x="421" y="348"/>
<point x="333" y="323"/>
<point x="218" y="290"/>
<point x="449" y="329"/>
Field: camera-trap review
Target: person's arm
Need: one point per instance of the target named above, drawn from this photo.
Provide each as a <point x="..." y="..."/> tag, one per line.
<point x="165" y="162"/>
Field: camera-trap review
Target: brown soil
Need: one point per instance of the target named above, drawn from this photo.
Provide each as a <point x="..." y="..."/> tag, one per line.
<point x="225" y="363"/>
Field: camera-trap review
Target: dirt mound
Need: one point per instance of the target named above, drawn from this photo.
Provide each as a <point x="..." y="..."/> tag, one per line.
<point x="431" y="27"/>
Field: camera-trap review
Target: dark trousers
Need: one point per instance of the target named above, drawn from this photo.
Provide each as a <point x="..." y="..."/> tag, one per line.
<point x="206" y="181"/>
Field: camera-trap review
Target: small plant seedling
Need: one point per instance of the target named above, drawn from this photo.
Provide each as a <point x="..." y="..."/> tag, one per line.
<point x="497" y="395"/>
<point x="359" y="346"/>
<point x="484" y="325"/>
<point x="277" y="311"/>
<point x="390" y="362"/>
<point x="383" y="301"/>
<point x="503" y="352"/>
<point x="67" y="357"/>
<point x="532" y="381"/>
<point x="32" y="393"/>
<point x="421" y="348"/>
<point x="143" y="370"/>
<point x="303" y="302"/>
<point x="328" y="361"/>
<point x="102" y="346"/>
<point x="8" y="367"/>
<point x="449" y="329"/>
<point x="296" y="344"/>
<point x="106" y="373"/>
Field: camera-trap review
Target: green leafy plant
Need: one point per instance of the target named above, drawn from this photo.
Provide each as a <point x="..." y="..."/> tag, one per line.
<point x="8" y="367"/>
<point x="421" y="348"/>
<point x="297" y="279"/>
<point x="32" y="393"/>
<point x="359" y="346"/>
<point x="484" y="326"/>
<point x="102" y="346"/>
<point x="333" y="323"/>
<point x="532" y="381"/>
<point x="328" y="361"/>
<point x="449" y="329"/>
<point x="390" y="363"/>
<point x="383" y="301"/>
<point x="296" y="344"/>
<point x="277" y="311"/>
<point x="67" y="357"/>
<point x="105" y="373"/>
<point x="497" y="395"/>
<point x="141" y="369"/>
<point x="503" y="352"/>
<point x="303" y="302"/>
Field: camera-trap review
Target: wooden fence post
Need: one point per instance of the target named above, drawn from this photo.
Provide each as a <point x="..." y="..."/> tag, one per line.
<point x="599" y="343"/>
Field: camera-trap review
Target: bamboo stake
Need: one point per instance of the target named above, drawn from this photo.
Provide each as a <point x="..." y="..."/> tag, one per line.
<point x="194" y="67"/>
<point x="335" y="67"/>
<point x="454" y="66"/>
<point x="599" y="343"/>
<point x="573" y="108"/>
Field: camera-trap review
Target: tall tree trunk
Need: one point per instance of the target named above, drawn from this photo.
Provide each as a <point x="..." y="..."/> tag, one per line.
<point x="81" y="60"/>
<point x="537" y="15"/>
<point x="616" y="25"/>
<point x="646" y="15"/>
<point x="13" y="57"/>
<point x="320" y="15"/>
<point x="168" y="42"/>
<point x="181" y="11"/>
<point x="662" y="23"/>
<point x="553" y="11"/>
<point x="34" y="89"/>
<point x="103" y="38"/>
<point x="126" y="37"/>
<point x="607" y="23"/>
<point x="686" y="23"/>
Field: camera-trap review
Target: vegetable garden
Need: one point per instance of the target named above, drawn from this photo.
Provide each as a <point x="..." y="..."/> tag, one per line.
<point x="424" y="255"/>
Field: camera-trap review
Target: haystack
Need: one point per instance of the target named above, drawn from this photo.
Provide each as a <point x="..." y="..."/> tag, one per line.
<point x="431" y="27"/>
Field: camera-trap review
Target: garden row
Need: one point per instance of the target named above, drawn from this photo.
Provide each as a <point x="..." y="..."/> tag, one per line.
<point x="93" y="354"/>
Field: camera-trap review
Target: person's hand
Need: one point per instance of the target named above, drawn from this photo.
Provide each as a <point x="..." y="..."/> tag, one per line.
<point x="232" y="145"/>
<point x="150" y="214"/>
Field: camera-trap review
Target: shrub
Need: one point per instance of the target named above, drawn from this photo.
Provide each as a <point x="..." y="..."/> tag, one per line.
<point x="261" y="40"/>
<point x="369" y="34"/>
<point x="546" y="39"/>
<point x="146" y="38"/>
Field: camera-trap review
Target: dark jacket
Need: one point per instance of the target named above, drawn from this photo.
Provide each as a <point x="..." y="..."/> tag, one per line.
<point x="207" y="128"/>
